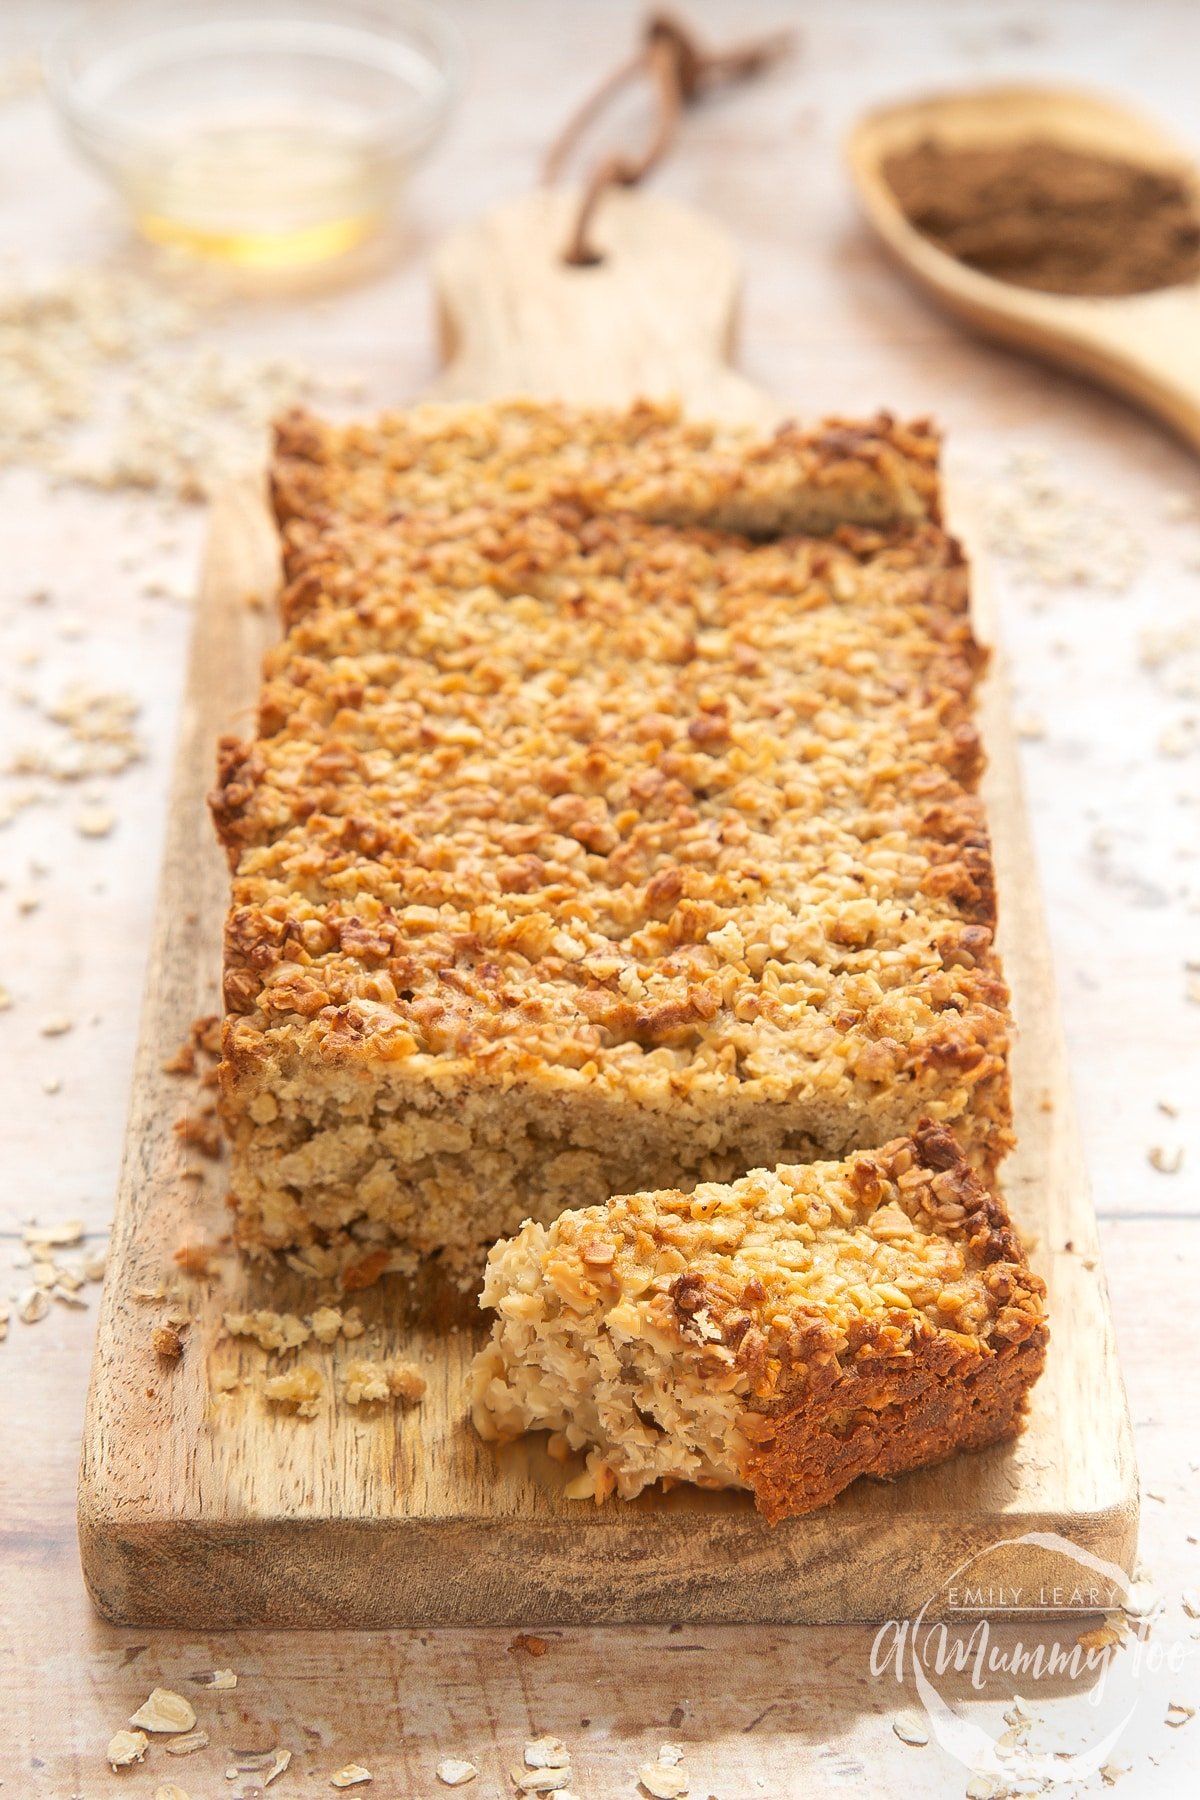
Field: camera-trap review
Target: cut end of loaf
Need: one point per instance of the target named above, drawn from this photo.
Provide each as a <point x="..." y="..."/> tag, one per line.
<point x="785" y="1333"/>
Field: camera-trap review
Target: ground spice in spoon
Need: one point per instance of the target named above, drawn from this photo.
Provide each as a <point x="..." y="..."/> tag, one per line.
<point x="1043" y="216"/>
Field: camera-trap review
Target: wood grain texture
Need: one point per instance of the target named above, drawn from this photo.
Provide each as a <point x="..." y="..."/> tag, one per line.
<point x="198" y="1515"/>
<point x="1146" y="346"/>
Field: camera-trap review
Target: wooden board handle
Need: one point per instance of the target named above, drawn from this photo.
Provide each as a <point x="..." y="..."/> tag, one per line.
<point x="654" y="319"/>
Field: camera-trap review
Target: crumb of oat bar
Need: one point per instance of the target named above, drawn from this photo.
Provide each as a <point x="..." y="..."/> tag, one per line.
<point x="367" y="1381"/>
<point x="785" y="1333"/>
<point x="301" y="1389"/>
<point x="270" y="1330"/>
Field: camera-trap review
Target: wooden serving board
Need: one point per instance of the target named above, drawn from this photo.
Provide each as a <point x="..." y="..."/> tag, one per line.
<point x="208" y="1513"/>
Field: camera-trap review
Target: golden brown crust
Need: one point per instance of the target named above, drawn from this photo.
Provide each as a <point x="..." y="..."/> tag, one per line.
<point x="789" y="1333"/>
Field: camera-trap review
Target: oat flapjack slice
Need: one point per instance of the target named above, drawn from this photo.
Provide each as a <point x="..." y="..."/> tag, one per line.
<point x="784" y="1333"/>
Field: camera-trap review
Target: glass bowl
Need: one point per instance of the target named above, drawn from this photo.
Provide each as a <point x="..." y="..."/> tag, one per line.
<point x="260" y="132"/>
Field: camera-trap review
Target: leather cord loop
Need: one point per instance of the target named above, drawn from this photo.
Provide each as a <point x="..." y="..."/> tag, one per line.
<point x="679" y="72"/>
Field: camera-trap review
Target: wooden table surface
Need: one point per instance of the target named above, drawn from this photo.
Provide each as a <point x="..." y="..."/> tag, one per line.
<point x="1111" y="752"/>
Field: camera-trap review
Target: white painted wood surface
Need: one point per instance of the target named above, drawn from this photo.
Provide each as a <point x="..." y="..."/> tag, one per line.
<point x="828" y="324"/>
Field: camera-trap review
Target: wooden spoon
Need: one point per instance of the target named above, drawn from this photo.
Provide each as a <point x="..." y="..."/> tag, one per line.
<point x="1147" y="346"/>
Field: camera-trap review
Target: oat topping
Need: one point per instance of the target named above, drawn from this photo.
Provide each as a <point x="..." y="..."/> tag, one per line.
<point x="350" y="1776"/>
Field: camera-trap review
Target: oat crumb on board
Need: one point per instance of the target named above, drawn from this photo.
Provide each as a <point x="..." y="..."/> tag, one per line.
<point x="367" y="1381"/>
<point x="300" y="1389"/>
<point x="167" y="1343"/>
<point x="270" y="1330"/>
<point x="351" y="1776"/>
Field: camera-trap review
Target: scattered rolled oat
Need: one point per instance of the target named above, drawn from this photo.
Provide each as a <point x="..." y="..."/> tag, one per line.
<point x="1111" y="1773"/>
<point x="350" y="1776"/>
<point x="126" y="1747"/>
<point x="910" y="1728"/>
<point x="170" y="1790"/>
<point x="982" y="1786"/>
<point x="1166" y="1162"/>
<point x="670" y="1754"/>
<point x="187" y="1742"/>
<point x="1191" y="1602"/>
<point x="301" y="1389"/>
<point x="32" y="1305"/>
<point x="547" y="1753"/>
<point x="166" y="1342"/>
<point x="279" y="1763"/>
<point x="541" y="1781"/>
<point x="454" y="1771"/>
<point x="666" y="1781"/>
<point x="367" y="1381"/>
<point x="95" y="821"/>
<point x="53" y="1237"/>
<point x="94" y="1264"/>
<point x="1056" y="536"/>
<point x="222" y="1680"/>
<point x="165" y="1711"/>
<point x="57" y="1026"/>
<point x="270" y="1330"/>
<point x="1141" y="1600"/>
<point x="1179" y="1714"/>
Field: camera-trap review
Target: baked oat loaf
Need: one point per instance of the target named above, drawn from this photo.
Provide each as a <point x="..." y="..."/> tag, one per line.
<point x="786" y="1334"/>
<point x="579" y="854"/>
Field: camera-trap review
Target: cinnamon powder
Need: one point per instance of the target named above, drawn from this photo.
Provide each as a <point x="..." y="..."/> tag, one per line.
<point x="1043" y="216"/>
